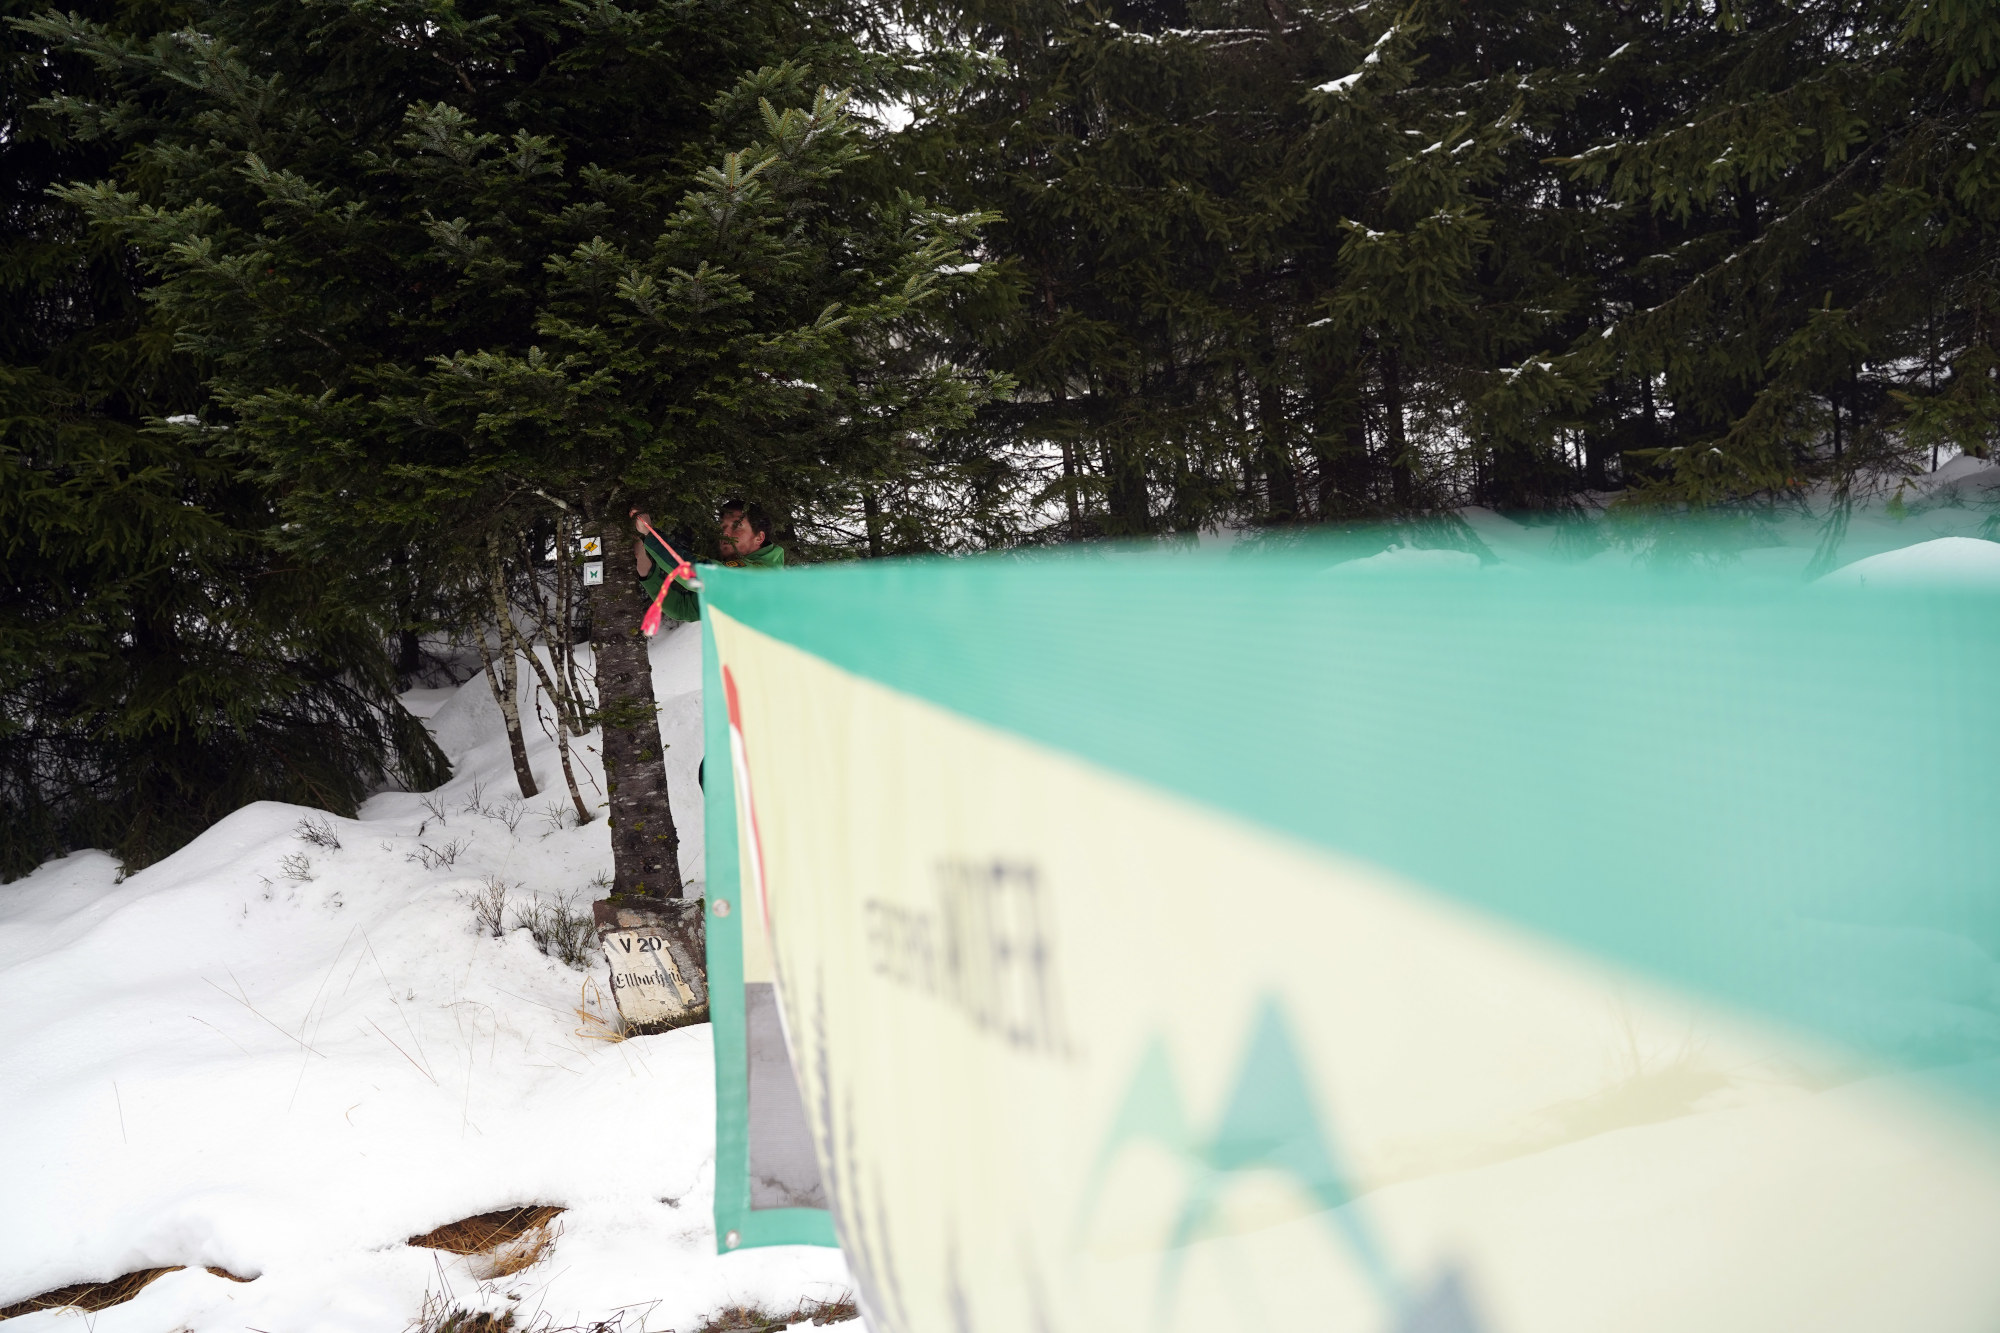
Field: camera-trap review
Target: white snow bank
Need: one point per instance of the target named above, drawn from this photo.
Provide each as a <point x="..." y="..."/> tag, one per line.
<point x="1967" y="472"/>
<point x="1949" y="561"/>
<point x="284" y="1059"/>
<point x="1408" y="558"/>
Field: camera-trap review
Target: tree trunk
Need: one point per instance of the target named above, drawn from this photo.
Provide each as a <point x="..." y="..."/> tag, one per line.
<point x="1281" y="485"/>
<point x="1274" y="447"/>
<point x="563" y="709"/>
<point x="558" y="679"/>
<point x="871" y="514"/>
<point x="569" y="535"/>
<point x="504" y="682"/>
<point x="1061" y="396"/>
<point x="409" y="652"/>
<point x="1402" y="478"/>
<point x="1069" y="491"/>
<point x="583" y="812"/>
<point x="1130" y="511"/>
<point x="645" y="846"/>
<point x="1652" y="413"/>
<point x="1339" y="437"/>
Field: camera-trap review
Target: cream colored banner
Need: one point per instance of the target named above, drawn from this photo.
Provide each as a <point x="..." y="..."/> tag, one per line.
<point x="1080" y="1055"/>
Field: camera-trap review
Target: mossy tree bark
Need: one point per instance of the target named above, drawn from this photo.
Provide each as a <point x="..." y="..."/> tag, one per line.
<point x="645" y="845"/>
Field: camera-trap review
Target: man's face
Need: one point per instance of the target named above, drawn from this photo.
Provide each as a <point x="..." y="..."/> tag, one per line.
<point x="738" y="537"/>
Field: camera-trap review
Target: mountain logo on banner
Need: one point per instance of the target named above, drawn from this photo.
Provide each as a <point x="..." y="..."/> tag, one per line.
<point x="1269" y="1123"/>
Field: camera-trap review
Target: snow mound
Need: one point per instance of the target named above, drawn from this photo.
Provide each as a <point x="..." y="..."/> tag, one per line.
<point x="1966" y="472"/>
<point x="1403" y="559"/>
<point x="1943" y="561"/>
<point x="283" y="1057"/>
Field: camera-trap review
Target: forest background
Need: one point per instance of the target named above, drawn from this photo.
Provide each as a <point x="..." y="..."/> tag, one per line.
<point x="332" y="327"/>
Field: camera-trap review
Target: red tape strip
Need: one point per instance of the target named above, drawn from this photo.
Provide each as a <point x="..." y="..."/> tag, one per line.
<point x="682" y="570"/>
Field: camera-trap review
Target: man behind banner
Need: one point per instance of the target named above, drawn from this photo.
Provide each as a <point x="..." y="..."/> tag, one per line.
<point x="743" y="542"/>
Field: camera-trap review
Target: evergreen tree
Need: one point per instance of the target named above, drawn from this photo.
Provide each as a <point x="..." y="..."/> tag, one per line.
<point x="1135" y="157"/>
<point x="1829" y="182"/>
<point x="1257" y="253"/>
<point x="1471" y="263"/>
<point x="1279" y="260"/>
<point x="460" y="274"/>
<point x="161" y="663"/>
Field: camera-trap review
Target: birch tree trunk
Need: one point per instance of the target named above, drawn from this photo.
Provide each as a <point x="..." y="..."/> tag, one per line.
<point x="563" y="706"/>
<point x="504" y="682"/>
<point x="563" y="709"/>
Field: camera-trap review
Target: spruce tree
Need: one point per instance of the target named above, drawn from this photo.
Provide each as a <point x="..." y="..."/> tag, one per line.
<point x="161" y="663"/>
<point x="1134" y="157"/>
<point x="1821" y="196"/>
<point x="1263" y="251"/>
<point x="457" y="280"/>
<point x="1278" y="260"/>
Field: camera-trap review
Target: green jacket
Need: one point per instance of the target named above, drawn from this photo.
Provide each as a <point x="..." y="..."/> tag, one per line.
<point x="681" y="603"/>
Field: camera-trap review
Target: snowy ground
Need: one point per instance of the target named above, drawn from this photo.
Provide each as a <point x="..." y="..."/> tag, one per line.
<point x="283" y="1059"/>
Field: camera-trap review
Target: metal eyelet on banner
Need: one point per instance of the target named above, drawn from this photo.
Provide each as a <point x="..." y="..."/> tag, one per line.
<point x="722" y="907"/>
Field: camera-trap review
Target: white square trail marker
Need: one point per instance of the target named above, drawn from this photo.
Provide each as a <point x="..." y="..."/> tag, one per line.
<point x="593" y="573"/>
<point x="593" y="548"/>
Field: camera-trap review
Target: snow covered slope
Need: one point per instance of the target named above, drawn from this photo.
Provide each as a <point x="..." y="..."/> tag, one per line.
<point x="1938" y="562"/>
<point x="283" y="1059"/>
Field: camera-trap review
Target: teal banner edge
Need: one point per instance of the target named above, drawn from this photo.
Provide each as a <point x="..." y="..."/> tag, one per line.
<point x="752" y="1227"/>
<point x="1710" y="778"/>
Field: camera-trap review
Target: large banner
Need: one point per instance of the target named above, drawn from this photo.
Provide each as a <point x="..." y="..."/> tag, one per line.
<point x="1212" y="943"/>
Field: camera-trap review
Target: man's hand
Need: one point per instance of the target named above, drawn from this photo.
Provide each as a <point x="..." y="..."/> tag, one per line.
<point x="640" y="556"/>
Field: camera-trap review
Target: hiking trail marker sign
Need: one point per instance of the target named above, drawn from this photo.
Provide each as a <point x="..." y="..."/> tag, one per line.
<point x="656" y="959"/>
